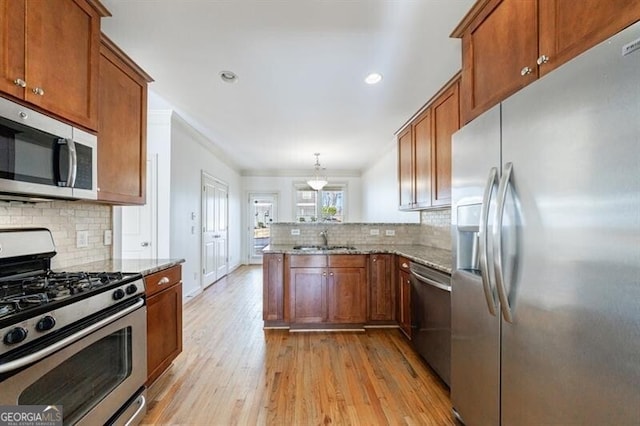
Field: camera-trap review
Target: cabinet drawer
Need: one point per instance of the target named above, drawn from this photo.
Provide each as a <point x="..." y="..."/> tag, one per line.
<point x="307" y="261"/>
<point x="348" y="260"/>
<point x="403" y="264"/>
<point x="164" y="279"/>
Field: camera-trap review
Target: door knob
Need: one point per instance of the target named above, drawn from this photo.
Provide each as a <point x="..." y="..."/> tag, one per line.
<point x="144" y="244"/>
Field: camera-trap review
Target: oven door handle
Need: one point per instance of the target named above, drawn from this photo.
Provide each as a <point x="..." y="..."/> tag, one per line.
<point x="37" y="356"/>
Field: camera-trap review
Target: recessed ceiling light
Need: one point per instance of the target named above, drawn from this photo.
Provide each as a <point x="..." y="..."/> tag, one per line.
<point x="373" y="78"/>
<point x="228" y="76"/>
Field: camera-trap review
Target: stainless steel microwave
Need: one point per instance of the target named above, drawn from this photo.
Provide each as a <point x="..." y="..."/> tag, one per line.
<point x="43" y="158"/>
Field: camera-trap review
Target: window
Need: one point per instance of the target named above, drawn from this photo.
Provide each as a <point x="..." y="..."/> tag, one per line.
<point x="326" y="205"/>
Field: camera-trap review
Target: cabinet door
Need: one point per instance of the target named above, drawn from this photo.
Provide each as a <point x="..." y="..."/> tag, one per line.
<point x="347" y="297"/>
<point x="405" y="302"/>
<point x="307" y="295"/>
<point x="62" y="53"/>
<point x="405" y="169"/>
<point x="122" y="148"/>
<point x="12" y="45"/>
<point x="382" y="295"/>
<point x="446" y="121"/>
<point x="498" y="45"/>
<point x="569" y="27"/>
<point x="423" y="161"/>
<point x="164" y="330"/>
<point x="273" y="287"/>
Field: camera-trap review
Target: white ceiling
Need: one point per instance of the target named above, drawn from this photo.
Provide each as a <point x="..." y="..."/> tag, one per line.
<point x="301" y="66"/>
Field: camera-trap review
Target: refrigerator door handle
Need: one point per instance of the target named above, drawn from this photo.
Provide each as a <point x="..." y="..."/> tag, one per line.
<point x="484" y="240"/>
<point x="497" y="242"/>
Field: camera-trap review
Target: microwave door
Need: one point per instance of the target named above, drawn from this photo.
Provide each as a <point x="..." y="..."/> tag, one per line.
<point x="28" y="164"/>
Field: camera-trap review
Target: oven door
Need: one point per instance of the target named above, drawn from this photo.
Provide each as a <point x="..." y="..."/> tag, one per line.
<point x="92" y="377"/>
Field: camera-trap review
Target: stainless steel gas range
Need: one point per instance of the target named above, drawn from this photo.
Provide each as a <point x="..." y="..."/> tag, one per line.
<point x="71" y="339"/>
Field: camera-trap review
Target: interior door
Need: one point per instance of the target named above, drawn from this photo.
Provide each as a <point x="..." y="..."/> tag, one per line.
<point x="221" y="229"/>
<point x="263" y="211"/>
<point x="139" y="223"/>
<point x="214" y="230"/>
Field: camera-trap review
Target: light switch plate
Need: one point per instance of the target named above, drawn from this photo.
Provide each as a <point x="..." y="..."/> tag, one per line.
<point x="295" y="232"/>
<point x="374" y="232"/>
<point x="108" y="237"/>
<point x="390" y="232"/>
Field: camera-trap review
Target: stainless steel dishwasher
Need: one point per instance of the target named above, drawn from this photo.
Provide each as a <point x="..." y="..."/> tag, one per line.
<point x="431" y="317"/>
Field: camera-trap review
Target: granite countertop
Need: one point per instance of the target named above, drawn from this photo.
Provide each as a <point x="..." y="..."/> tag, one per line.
<point x="433" y="257"/>
<point x="142" y="266"/>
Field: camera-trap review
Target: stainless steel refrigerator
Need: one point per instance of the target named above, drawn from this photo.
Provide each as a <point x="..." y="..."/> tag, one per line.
<point x="546" y="235"/>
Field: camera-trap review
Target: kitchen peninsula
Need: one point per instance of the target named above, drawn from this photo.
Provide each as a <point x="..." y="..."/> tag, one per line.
<point x="359" y="279"/>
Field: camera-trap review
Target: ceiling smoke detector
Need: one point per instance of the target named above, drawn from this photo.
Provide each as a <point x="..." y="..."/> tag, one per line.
<point x="228" y="76"/>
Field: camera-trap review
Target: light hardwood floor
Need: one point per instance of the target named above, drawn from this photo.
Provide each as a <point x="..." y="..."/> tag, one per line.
<point x="232" y="372"/>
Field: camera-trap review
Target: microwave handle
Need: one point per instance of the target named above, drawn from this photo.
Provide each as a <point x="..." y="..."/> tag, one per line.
<point x="73" y="163"/>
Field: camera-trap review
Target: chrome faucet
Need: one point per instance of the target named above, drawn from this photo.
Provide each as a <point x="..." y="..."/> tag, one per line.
<point x="325" y="234"/>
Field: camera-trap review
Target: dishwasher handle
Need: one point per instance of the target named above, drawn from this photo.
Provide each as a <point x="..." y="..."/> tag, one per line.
<point x="429" y="281"/>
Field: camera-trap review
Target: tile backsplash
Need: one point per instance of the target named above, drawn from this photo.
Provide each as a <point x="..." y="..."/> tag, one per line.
<point x="433" y="231"/>
<point x="436" y="228"/>
<point x="64" y="219"/>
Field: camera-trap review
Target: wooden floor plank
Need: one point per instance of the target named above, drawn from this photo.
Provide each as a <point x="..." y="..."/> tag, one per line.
<point x="232" y="372"/>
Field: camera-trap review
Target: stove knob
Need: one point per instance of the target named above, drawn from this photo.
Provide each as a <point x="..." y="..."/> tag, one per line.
<point x="132" y="288"/>
<point x="118" y="294"/>
<point x="15" y="335"/>
<point x="46" y="323"/>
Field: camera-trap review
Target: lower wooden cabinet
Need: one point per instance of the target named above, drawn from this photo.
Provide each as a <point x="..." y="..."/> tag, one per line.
<point x="164" y="320"/>
<point x="347" y="298"/>
<point x="404" y="296"/>
<point x="382" y="292"/>
<point x="326" y="289"/>
<point x="273" y="287"/>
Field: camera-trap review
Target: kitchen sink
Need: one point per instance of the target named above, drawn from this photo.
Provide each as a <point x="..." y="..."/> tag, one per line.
<point x="324" y="248"/>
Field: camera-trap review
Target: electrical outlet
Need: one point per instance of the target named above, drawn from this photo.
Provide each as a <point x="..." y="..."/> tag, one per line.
<point x="374" y="232"/>
<point x="390" y="232"/>
<point x="82" y="239"/>
<point x="108" y="237"/>
<point x="295" y="232"/>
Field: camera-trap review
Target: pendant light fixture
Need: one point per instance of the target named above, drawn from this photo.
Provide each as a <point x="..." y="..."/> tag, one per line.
<point x="318" y="181"/>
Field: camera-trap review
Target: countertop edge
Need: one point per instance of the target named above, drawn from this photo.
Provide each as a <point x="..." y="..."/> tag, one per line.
<point x="406" y="251"/>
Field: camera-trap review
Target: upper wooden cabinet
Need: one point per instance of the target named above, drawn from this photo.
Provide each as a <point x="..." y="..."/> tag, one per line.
<point x="424" y="151"/>
<point x="122" y="146"/>
<point x="50" y="52"/>
<point x="507" y="44"/>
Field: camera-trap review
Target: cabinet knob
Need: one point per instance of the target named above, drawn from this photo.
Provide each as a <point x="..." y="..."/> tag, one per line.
<point x="375" y="259"/>
<point x="324" y="274"/>
<point x="331" y="273"/>
<point x="279" y="259"/>
<point x="144" y="244"/>
<point x="38" y="91"/>
<point x="526" y="71"/>
<point x="404" y="265"/>
<point x="542" y="60"/>
<point x="20" y="82"/>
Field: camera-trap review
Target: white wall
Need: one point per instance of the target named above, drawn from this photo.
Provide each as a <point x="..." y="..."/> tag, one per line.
<point x="192" y="153"/>
<point x="380" y="191"/>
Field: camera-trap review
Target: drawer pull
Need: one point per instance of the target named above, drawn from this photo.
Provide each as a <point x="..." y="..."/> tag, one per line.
<point x="164" y="281"/>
